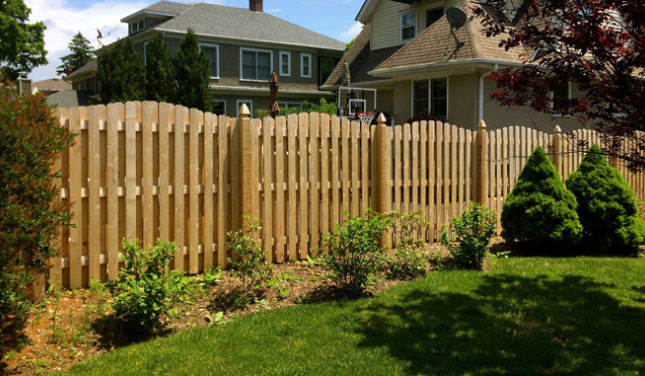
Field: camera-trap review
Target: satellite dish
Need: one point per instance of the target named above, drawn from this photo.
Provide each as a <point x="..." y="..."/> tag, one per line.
<point x="456" y="17"/>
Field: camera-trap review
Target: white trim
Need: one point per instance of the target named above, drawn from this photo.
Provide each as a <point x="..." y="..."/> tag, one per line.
<point x="224" y="101"/>
<point x="363" y="101"/>
<point x="302" y="65"/>
<point x="447" y="63"/>
<point x="217" y="87"/>
<point x="411" y="11"/>
<point x="447" y="78"/>
<point x="246" y="49"/>
<point x="288" y="54"/>
<point x="216" y="46"/>
<point x="238" y="104"/>
<point x="290" y="104"/>
<point x="551" y="104"/>
<point x="347" y="88"/>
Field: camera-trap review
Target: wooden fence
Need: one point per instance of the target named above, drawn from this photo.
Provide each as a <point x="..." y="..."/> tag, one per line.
<point x="153" y="170"/>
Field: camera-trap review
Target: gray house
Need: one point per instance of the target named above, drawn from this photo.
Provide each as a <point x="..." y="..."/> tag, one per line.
<point x="244" y="46"/>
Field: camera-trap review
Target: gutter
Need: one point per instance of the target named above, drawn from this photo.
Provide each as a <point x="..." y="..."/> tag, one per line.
<point x="480" y="108"/>
<point x="378" y="72"/>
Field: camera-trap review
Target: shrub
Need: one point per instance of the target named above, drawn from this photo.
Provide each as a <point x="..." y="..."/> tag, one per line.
<point x="606" y="206"/>
<point x="353" y="251"/>
<point x="141" y="288"/>
<point x="30" y="212"/>
<point x="472" y="234"/>
<point x="121" y="73"/>
<point x="249" y="262"/>
<point x="540" y="209"/>
<point x="410" y="259"/>
<point x="323" y="107"/>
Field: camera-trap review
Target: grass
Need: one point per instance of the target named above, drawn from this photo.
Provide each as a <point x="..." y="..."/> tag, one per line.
<point x="580" y="316"/>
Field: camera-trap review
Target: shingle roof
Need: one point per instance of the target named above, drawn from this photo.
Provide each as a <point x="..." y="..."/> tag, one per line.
<point x="360" y="59"/>
<point x="52" y="84"/>
<point x="437" y="45"/>
<point x="168" y="7"/>
<point x="87" y="68"/>
<point x="69" y="98"/>
<point x="240" y="23"/>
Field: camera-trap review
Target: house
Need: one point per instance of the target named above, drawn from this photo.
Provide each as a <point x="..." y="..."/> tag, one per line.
<point x="244" y="46"/>
<point x="50" y="86"/>
<point x="406" y="52"/>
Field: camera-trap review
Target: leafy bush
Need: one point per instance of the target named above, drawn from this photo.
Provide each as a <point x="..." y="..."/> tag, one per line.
<point x="353" y="251"/>
<point x="410" y="259"/>
<point x="121" y="73"/>
<point x="249" y="262"/>
<point x="606" y="206"/>
<point x="30" y="212"/>
<point x="323" y="107"/>
<point x="141" y="289"/>
<point x="472" y="234"/>
<point x="540" y="209"/>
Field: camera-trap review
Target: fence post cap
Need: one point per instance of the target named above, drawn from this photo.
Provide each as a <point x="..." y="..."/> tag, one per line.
<point x="482" y="124"/>
<point x="557" y="129"/>
<point x="244" y="111"/>
<point x="381" y="119"/>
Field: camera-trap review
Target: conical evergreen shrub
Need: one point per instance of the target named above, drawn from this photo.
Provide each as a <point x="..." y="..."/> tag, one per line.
<point x="540" y="209"/>
<point x="607" y="207"/>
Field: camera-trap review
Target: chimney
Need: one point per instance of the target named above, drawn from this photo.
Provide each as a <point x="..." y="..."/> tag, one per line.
<point x="255" y="5"/>
<point x="24" y="86"/>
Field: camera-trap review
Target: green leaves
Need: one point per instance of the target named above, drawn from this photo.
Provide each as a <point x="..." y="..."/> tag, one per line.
<point x="192" y="74"/>
<point x="472" y="234"/>
<point x="80" y="54"/>
<point x="121" y="73"/>
<point x="22" y="45"/>
<point x="160" y="73"/>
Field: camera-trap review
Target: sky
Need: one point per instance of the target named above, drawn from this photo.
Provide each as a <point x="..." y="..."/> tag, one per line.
<point x="64" y="18"/>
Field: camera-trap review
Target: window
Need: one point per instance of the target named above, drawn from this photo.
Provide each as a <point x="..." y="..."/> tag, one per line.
<point x="145" y="54"/>
<point x="248" y="102"/>
<point x="290" y="105"/>
<point x="408" y="25"/>
<point x="255" y="64"/>
<point x="212" y="53"/>
<point x="325" y="67"/>
<point x="219" y="107"/>
<point x="433" y="15"/>
<point x="305" y="65"/>
<point x="285" y="63"/>
<point x="420" y="95"/>
<point x="141" y="25"/>
<point x="560" y="95"/>
<point x="439" y="98"/>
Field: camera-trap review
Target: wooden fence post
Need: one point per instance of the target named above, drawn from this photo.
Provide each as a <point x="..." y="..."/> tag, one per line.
<point x="382" y="148"/>
<point x="557" y="149"/>
<point x="482" y="163"/>
<point x="249" y="169"/>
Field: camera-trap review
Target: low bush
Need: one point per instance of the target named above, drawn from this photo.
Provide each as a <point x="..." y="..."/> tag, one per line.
<point x="410" y="260"/>
<point x="353" y="253"/>
<point x="141" y="289"/>
<point x="607" y="207"/>
<point x="541" y="210"/>
<point x="249" y="262"/>
<point x="471" y="236"/>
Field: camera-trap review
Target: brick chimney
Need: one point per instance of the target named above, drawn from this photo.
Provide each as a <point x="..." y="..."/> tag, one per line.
<point x="256" y="5"/>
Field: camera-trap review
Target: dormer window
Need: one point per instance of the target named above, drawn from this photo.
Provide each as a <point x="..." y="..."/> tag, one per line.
<point x="408" y="25"/>
<point x="135" y="27"/>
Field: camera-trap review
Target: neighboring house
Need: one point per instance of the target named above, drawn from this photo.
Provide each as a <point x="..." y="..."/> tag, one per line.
<point x="407" y="53"/>
<point x="50" y="86"/>
<point x="244" y="46"/>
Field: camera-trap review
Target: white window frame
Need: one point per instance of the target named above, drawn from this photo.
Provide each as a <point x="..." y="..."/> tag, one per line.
<point x="288" y="55"/>
<point x="223" y="101"/>
<point x="302" y="65"/>
<point x="145" y="54"/>
<point x="412" y="11"/>
<point x="290" y="104"/>
<point x="238" y="104"/>
<point x="351" y="101"/>
<point x="216" y="46"/>
<point x="551" y="104"/>
<point x="430" y="95"/>
<point x="245" y="49"/>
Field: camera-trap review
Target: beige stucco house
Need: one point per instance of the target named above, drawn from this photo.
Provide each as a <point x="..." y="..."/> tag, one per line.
<point x="407" y="53"/>
<point x="244" y="46"/>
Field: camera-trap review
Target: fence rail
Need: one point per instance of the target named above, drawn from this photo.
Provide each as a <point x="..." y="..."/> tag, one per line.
<point x="154" y="170"/>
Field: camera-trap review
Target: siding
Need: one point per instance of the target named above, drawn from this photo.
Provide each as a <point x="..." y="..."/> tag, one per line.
<point x="386" y="23"/>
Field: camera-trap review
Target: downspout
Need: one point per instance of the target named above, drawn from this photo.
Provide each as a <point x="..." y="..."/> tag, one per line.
<point x="480" y="109"/>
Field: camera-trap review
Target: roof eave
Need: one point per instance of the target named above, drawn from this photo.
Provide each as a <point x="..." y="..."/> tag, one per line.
<point x="390" y="72"/>
<point x="147" y="12"/>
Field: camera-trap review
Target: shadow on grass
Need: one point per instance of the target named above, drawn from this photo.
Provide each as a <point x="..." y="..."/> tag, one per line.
<point x="12" y="338"/>
<point x="114" y="333"/>
<point x="511" y="325"/>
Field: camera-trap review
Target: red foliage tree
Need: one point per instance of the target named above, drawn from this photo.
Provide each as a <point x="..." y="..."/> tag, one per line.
<point x="598" y="44"/>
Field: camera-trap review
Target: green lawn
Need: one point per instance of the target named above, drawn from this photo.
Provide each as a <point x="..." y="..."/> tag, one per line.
<point x="579" y="316"/>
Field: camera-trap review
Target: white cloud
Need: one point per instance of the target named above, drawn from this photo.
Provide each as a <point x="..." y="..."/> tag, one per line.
<point x="63" y="20"/>
<point x="351" y="33"/>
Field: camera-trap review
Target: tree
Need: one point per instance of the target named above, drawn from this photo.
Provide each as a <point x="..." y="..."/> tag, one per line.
<point x="30" y="213"/>
<point x="192" y="72"/>
<point x="22" y="45"/>
<point x="80" y="54"/>
<point x="606" y="206"/>
<point x="121" y="73"/>
<point x="540" y="209"/>
<point x="160" y="73"/>
<point x="598" y="44"/>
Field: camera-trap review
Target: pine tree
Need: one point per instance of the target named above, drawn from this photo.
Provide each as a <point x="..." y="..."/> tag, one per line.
<point x="80" y="54"/>
<point x="606" y="206"/>
<point x="121" y="73"/>
<point x="192" y="72"/>
<point x="540" y="209"/>
<point x="160" y="73"/>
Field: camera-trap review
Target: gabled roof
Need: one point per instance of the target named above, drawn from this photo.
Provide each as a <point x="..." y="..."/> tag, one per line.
<point x="52" y="84"/>
<point x="162" y="8"/>
<point x="360" y="59"/>
<point x="437" y="45"/>
<point x="88" y="68"/>
<point x="244" y="24"/>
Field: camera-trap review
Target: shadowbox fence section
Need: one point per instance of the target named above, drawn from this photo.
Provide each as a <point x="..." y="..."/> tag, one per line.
<point x="154" y="170"/>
